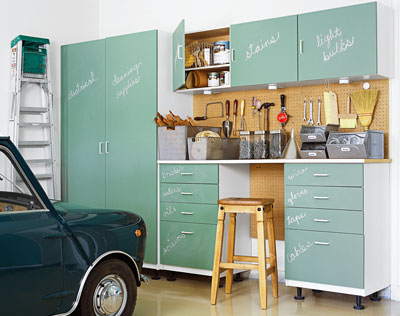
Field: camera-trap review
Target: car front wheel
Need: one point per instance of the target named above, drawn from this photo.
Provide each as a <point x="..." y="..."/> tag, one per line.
<point x="110" y="290"/>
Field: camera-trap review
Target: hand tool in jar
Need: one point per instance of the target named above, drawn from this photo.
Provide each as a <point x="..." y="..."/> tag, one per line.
<point x="235" y="106"/>
<point x="205" y="117"/>
<point x="283" y="117"/>
<point x="319" y="111"/>
<point x="227" y="125"/>
<point x="242" y="127"/>
<point x="305" y="110"/>
<point x="310" y="120"/>
<point x="259" y="108"/>
<point x="266" y="107"/>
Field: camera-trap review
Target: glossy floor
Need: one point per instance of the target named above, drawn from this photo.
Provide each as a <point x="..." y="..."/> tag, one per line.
<point x="190" y="296"/>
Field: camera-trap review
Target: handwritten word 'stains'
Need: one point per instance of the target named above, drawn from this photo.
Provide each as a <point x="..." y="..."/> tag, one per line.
<point x="255" y="49"/>
<point x="295" y="219"/>
<point x="298" y="251"/>
<point x="129" y="78"/>
<point x="333" y="43"/>
<point x="83" y="85"/>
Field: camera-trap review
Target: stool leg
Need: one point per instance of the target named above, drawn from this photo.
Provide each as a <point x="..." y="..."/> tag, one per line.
<point x="217" y="255"/>
<point x="261" y="257"/>
<point x="272" y="251"/>
<point x="231" y="252"/>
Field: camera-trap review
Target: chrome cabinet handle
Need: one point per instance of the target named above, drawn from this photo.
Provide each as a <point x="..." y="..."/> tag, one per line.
<point x="232" y="55"/>
<point x="186" y="193"/>
<point x="107" y="152"/>
<point x="321" y="220"/>
<point x="179" y="50"/>
<point x="301" y="46"/>
<point x="321" y="197"/>
<point x="321" y="175"/>
<point x="187" y="213"/>
<point x="100" y="148"/>
<point x="187" y="233"/>
<point x="321" y="243"/>
<point x="186" y="173"/>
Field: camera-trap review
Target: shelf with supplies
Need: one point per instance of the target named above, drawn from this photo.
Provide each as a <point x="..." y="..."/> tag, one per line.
<point x="210" y="67"/>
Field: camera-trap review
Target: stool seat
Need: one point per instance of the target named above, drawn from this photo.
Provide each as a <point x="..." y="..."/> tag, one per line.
<point x="246" y="201"/>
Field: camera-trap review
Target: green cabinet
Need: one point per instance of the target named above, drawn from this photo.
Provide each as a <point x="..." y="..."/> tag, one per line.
<point x="264" y="51"/>
<point x="186" y="173"/>
<point x="178" y="56"/>
<point x="109" y="148"/>
<point x="339" y="42"/>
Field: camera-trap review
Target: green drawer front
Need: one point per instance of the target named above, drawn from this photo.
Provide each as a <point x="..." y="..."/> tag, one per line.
<point x="189" y="173"/>
<point x="190" y="193"/>
<point x="351" y="222"/>
<point x="327" y="258"/>
<point x="187" y="245"/>
<point x="324" y="174"/>
<point x="324" y="197"/>
<point x="190" y="213"/>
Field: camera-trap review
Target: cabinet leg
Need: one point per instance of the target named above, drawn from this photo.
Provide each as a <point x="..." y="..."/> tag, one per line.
<point x="156" y="275"/>
<point x="299" y="296"/>
<point x="375" y="297"/>
<point x="358" y="305"/>
<point x="171" y="276"/>
<point x="238" y="277"/>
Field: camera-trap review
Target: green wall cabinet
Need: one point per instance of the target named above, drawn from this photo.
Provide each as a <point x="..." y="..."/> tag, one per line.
<point x="264" y="51"/>
<point x="338" y="42"/>
<point x="178" y="56"/>
<point x="109" y="146"/>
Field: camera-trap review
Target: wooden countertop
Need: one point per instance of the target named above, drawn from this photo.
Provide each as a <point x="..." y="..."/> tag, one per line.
<point x="273" y="161"/>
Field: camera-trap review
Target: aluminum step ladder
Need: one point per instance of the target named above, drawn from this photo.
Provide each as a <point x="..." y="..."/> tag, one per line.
<point x="31" y="109"/>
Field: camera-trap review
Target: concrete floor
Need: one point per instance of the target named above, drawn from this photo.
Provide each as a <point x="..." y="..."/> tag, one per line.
<point x="190" y="296"/>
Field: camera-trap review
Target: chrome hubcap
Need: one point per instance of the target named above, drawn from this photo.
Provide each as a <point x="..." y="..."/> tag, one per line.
<point x="110" y="296"/>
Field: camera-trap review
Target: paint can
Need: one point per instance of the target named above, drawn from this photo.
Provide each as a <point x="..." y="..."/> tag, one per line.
<point x="221" y="52"/>
<point x="224" y="78"/>
<point x="213" y="79"/>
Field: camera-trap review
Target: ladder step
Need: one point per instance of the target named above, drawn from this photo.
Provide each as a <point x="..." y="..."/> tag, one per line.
<point x="43" y="176"/>
<point x="34" y="143"/>
<point x="33" y="110"/>
<point x="33" y="161"/>
<point x="34" y="124"/>
<point x="34" y="80"/>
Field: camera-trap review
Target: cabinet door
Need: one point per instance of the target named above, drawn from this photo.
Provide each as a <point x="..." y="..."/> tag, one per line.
<point x="131" y="173"/>
<point x="178" y="56"/>
<point x="339" y="42"/>
<point x="264" y="51"/>
<point x="83" y="122"/>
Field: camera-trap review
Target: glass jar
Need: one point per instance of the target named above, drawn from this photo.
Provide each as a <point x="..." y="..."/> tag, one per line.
<point x="260" y="145"/>
<point x="246" y="145"/>
<point x="278" y="139"/>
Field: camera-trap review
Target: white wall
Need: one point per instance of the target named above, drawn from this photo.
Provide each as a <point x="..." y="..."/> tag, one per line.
<point x="123" y="16"/>
<point x="63" y="22"/>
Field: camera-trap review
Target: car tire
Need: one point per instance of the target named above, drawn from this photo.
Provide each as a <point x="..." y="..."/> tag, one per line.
<point x="109" y="290"/>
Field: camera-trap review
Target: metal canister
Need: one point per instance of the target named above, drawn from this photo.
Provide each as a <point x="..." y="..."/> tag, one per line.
<point x="213" y="79"/>
<point x="224" y="78"/>
<point x="221" y="52"/>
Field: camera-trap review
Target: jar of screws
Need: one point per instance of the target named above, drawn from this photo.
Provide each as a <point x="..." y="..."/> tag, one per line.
<point x="246" y="145"/>
<point x="260" y="145"/>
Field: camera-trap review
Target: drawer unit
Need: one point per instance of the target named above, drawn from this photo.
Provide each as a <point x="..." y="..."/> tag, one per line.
<point x="326" y="258"/>
<point x="190" y="193"/>
<point x="190" y="213"/>
<point x="340" y="198"/>
<point x="324" y="174"/>
<point x="187" y="244"/>
<point x="342" y="221"/>
<point x="189" y="174"/>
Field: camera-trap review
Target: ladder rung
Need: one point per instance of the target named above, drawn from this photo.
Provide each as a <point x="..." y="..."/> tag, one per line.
<point x="43" y="176"/>
<point x="34" y="143"/>
<point x="33" y="161"/>
<point x="34" y="80"/>
<point x="34" y="124"/>
<point x="33" y="110"/>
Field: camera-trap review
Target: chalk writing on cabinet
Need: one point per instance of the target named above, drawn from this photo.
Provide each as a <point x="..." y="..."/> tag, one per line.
<point x="83" y="85"/>
<point x="297" y="173"/>
<point x="126" y="80"/>
<point x="254" y="49"/>
<point x="298" y="251"/>
<point x="170" y="173"/>
<point x="333" y="43"/>
<point x="169" y="210"/>
<point x="295" y="196"/>
<point x="295" y="219"/>
<point x="171" y="191"/>
<point x="172" y="244"/>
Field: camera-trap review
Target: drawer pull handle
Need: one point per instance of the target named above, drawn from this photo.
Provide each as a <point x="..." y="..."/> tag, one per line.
<point x="321" y="220"/>
<point x="321" y="243"/>
<point x="321" y="197"/>
<point x="187" y="213"/>
<point x="186" y="173"/>
<point x="187" y="233"/>
<point x="321" y="175"/>
<point x="186" y="193"/>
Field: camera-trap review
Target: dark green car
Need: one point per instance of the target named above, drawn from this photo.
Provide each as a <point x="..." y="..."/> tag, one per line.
<point x="63" y="259"/>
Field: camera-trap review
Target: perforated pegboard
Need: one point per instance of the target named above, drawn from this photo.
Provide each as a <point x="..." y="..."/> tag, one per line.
<point x="267" y="180"/>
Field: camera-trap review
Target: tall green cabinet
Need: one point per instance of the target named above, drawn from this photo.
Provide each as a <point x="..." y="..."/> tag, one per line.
<point x="109" y="99"/>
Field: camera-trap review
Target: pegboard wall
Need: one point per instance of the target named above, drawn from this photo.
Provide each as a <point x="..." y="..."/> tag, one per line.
<point x="267" y="180"/>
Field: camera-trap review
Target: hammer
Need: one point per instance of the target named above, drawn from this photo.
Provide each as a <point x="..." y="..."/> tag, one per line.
<point x="266" y="106"/>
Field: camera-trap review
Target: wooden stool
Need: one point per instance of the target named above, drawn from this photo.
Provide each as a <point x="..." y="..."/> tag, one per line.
<point x="248" y="206"/>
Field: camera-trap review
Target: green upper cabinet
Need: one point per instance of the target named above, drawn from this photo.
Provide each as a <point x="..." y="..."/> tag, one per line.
<point x="131" y="95"/>
<point x="264" y="51"/>
<point x="178" y="56"/>
<point x="83" y="123"/>
<point x="338" y="42"/>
